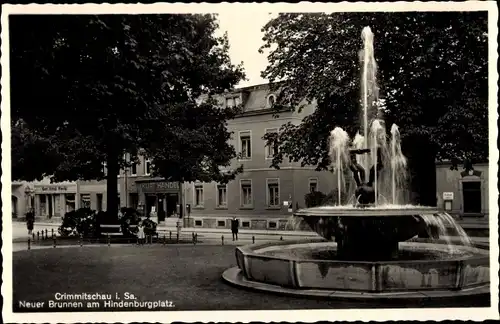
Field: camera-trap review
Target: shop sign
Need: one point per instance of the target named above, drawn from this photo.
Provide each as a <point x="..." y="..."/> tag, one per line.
<point x="162" y="186"/>
<point x="54" y="189"/>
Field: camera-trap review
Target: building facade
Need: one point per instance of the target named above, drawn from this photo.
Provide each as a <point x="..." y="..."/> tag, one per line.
<point x="461" y="193"/>
<point x="155" y="197"/>
<point x="52" y="200"/>
<point x="260" y="197"/>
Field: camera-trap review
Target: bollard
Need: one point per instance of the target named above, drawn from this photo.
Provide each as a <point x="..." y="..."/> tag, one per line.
<point x="38" y="236"/>
<point x="281" y="238"/>
<point x="54" y="238"/>
<point x="164" y="239"/>
<point x="52" y="232"/>
<point x="170" y="235"/>
<point x="194" y="242"/>
<point x="109" y="241"/>
<point x="29" y="243"/>
<point x="150" y="239"/>
<point x="177" y="237"/>
<point x="253" y="239"/>
<point x="46" y="234"/>
<point x="222" y="238"/>
<point x="81" y="240"/>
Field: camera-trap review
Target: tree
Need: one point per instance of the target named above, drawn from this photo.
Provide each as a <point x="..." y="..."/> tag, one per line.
<point x="96" y="87"/>
<point x="432" y="75"/>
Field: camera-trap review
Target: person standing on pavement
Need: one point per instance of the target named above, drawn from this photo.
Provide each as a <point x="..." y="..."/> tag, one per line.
<point x="234" y="228"/>
<point x="140" y="233"/>
<point x="30" y="221"/>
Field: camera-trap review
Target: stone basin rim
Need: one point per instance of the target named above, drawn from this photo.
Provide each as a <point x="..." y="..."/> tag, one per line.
<point x="364" y="212"/>
<point x="235" y="277"/>
<point x="249" y="251"/>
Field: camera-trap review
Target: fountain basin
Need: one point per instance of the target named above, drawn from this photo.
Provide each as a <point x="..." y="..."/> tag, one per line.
<point x="277" y="266"/>
<point x="368" y="233"/>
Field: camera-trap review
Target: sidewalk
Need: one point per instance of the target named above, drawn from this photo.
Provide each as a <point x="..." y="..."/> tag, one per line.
<point x="240" y="231"/>
<point x="162" y="229"/>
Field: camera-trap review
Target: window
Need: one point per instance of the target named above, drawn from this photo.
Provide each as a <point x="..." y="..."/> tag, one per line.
<point x="133" y="169"/>
<point x="99" y="202"/>
<point x="198" y="195"/>
<point x="134" y="200"/>
<point x="272" y="224"/>
<point x="245" y="224"/>
<point x="313" y="185"/>
<point x="147" y="167"/>
<point x="221" y="223"/>
<point x="84" y="201"/>
<point x="246" y="193"/>
<point x="271" y="99"/>
<point x="221" y="195"/>
<point x="273" y="192"/>
<point x="246" y="145"/>
<point x="271" y="149"/>
<point x="229" y="102"/>
<point x="237" y="101"/>
<point x="198" y="223"/>
<point x="233" y="101"/>
<point x="472" y="197"/>
<point x="70" y="202"/>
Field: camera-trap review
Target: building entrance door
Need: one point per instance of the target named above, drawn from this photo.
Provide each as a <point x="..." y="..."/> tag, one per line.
<point x="472" y="197"/>
<point x="150" y="203"/>
<point x="172" y="201"/>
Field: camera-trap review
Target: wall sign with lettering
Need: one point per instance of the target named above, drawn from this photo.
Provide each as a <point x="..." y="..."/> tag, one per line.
<point x="48" y="189"/>
<point x="162" y="186"/>
<point x="448" y="195"/>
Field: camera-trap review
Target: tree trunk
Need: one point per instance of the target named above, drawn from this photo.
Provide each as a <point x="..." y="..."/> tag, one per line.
<point x="112" y="187"/>
<point x="422" y="163"/>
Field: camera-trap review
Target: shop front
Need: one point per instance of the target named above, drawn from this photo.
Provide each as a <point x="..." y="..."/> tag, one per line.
<point x="159" y="198"/>
<point x="54" y="200"/>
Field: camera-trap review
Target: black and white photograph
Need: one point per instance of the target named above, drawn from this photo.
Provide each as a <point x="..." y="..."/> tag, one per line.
<point x="249" y="162"/>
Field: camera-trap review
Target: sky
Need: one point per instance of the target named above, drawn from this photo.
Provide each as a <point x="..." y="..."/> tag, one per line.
<point x="245" y="39"/>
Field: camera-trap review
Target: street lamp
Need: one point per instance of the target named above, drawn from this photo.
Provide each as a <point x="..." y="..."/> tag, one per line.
<point x="29" y="193"/>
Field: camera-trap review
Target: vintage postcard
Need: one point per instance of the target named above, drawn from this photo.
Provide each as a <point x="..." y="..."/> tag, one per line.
<point x="249" y="162"/>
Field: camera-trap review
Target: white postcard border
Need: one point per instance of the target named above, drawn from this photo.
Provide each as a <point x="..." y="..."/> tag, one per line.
<point x="246" y="316"/>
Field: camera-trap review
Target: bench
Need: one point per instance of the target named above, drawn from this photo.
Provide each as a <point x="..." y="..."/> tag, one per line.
<point x="116" y="227"/>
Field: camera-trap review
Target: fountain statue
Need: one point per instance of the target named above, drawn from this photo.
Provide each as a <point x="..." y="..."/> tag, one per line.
<point x="369" y="243"/>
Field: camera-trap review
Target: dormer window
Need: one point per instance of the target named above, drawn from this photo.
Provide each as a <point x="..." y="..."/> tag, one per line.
<point x="271" y="99"/>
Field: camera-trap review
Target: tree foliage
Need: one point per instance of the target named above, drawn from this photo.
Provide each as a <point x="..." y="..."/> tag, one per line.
<point x="96" y="87"/>
<point x="433" y="69"/>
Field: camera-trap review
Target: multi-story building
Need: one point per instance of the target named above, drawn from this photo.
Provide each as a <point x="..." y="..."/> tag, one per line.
<point x="260" y="197"/>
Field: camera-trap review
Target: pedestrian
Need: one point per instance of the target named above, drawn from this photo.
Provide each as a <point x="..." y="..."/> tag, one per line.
<point x="234" y="228"/>
<point x="140" y="233"/>
<point x="30" y="221"/>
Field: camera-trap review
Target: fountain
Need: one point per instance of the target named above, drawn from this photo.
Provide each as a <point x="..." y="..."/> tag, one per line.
<point x="370" y="245"/>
